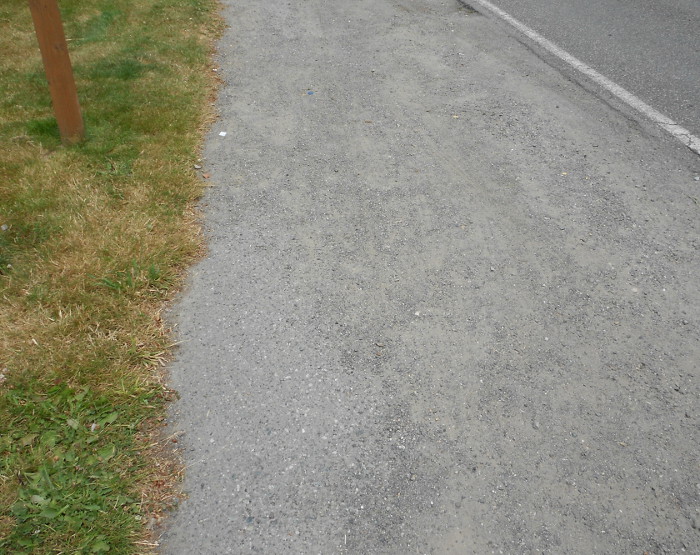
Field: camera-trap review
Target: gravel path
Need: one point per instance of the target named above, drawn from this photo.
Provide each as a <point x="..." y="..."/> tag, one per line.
<point x="451" y="302"/>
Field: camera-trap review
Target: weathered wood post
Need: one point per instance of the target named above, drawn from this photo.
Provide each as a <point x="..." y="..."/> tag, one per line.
<point x="59" y="73"/>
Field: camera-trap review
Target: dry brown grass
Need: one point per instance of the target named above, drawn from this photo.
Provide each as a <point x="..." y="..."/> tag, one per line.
<point x="95" y="243"/>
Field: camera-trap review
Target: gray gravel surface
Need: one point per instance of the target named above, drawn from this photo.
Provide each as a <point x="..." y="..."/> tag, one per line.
<point x="450" y="304"/>
<point x="650" y="47"/>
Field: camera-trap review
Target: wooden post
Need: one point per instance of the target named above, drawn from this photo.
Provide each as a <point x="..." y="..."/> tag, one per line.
<point x="59" y="73"/>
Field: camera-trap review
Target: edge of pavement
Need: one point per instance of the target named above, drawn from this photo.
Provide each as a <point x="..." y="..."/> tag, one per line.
<point x="448" y="305"/>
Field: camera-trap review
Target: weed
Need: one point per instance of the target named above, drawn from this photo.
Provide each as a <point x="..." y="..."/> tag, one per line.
<point x="136" y="278"/>
<point x="73" y="451"/>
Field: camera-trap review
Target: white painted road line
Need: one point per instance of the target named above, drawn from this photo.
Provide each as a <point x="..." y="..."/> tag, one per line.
<point x="666" y="123"/>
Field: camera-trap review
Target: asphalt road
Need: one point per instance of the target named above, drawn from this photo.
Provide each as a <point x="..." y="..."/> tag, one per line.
<point x="450" y="303"/>
<point x="649" y="47"/>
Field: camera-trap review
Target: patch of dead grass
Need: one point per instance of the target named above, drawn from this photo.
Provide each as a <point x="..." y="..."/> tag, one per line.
<point x="95" y="242"/>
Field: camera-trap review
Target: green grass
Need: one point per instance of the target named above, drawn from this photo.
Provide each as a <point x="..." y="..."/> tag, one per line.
<point x="93" y="243"/>
<point x="73" y="456"/>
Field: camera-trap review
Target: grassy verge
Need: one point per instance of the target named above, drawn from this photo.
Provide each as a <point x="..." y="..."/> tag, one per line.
<point x="93" y="241"/>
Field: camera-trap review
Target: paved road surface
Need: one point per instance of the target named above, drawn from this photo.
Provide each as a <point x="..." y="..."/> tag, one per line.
<point x="451" y="302"/>
<point x="649" y="47"/>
